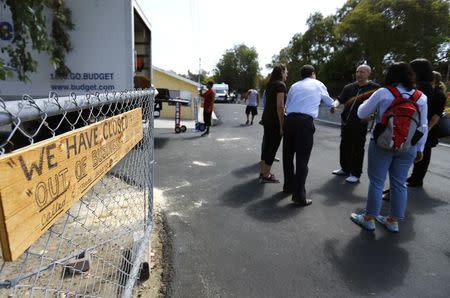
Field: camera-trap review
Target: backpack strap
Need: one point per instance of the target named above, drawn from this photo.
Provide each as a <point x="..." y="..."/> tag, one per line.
<point x="394" y="91"/>
<point x="415" y="96"/>
<point x="399" y="99"/>
<point x="398" y="96"/>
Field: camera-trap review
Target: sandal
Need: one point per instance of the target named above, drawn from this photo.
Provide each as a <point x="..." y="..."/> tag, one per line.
<point x="269" y="179"/>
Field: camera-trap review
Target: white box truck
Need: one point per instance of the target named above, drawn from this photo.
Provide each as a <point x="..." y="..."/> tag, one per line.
<point x="222" y="94"/>
<point x="111" y="51"/>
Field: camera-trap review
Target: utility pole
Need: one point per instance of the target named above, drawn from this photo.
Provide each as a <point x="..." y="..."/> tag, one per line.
<point x="197" y="99"/>
<point x="199" y="70"/>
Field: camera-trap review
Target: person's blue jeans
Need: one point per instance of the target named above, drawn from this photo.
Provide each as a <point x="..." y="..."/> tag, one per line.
<point x="380" y="162"/>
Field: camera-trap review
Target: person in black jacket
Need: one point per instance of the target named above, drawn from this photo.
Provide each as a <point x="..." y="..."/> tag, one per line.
<point x="436" y="105"/>
<point x="353" y="129"/>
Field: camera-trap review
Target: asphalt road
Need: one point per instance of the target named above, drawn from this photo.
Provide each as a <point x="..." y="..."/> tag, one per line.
<point x="233" y="237"/>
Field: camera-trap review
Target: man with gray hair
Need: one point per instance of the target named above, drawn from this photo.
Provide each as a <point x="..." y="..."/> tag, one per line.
<point x="353" y="129"/>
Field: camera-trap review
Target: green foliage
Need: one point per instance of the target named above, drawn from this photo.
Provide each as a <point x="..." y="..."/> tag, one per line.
<point x="372" y="32"/>
<point x="239" y="68"/>
<point x="314" y="47"/>
<point x="29" y="24"/>
<point x="261" y="82"/>
<point x="62" y="23"/>
<point x="4" y="72"/>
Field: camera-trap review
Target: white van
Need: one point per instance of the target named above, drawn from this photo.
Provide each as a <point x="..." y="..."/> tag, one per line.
<point x="222" y="94"/>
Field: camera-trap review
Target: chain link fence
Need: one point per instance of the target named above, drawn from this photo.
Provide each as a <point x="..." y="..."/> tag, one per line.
<point x="100" y="246"/>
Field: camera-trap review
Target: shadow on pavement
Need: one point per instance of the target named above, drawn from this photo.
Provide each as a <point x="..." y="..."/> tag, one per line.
<point x="247" y="170"/>
<point x="336" y="190"/>
<point x="369" y="266"/>
<point x="420" y="202"/>
<point x="160" y="143"/>
<point x="270" y="210"/>
<point x="194" y="137"/>
<point x="242" y="194"/>
<point x="241" y="125"/>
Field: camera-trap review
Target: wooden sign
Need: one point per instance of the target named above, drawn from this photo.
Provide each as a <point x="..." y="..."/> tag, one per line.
<point x="42" y="181"/>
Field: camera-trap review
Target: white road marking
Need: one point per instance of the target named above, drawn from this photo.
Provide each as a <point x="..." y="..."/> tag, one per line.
<point x="176" y="214"/>
<point x="182" y="184"/>
<point x="198" y="204"/>
<point x="185" y="183"/>
<point x="228" y="139"/>
<point x="203" y="164"/>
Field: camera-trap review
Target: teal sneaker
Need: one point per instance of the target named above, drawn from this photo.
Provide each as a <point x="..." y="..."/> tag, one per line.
<point x="390" y="224"/>
<point x="363" y="221"/>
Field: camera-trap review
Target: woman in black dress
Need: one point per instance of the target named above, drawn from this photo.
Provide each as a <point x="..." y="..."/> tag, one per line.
<point x="272" y="120"/>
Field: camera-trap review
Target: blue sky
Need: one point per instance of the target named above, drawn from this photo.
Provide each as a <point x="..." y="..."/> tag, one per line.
<point x="185" y="30"/>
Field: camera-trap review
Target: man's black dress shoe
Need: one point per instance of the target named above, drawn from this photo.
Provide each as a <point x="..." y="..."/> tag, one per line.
<point x="414" y="184"/>
<point x="302" y="203"/>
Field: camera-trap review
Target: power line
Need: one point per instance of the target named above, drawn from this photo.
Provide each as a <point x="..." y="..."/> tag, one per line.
<point x="195" y="28"/>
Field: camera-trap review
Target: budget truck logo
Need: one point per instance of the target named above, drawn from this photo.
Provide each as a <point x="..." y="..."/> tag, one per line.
<point x="6" y="31"/>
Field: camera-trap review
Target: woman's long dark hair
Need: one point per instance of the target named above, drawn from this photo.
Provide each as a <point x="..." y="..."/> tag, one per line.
<point x="400" y="73"/>
<point x="423" y="70"/>
<point x="424" y="75"/>
<point x="277" y="73"/>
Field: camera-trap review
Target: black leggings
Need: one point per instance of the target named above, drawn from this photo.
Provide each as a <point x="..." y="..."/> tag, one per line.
<point x="351" y="150"/>
<point x="270" y="144"/>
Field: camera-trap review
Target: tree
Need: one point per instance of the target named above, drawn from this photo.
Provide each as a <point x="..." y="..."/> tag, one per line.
<point x="372" y="32"/>
<point x="262" y="81"/>
<point x="30" y="25"/>
<point x="238" y="67"/>
<point x="292" y="57"/>
<point x="392" y="30"/>
<point x="314" y="47"/>
<point x="204" y="76"/>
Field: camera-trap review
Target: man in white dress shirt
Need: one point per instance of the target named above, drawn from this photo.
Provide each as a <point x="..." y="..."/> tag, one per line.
<point x="302" y="107"/>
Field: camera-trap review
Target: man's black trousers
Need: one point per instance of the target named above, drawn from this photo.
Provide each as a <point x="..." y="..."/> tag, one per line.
<point x="353" y="139"/>
<point x="297" y="141"/>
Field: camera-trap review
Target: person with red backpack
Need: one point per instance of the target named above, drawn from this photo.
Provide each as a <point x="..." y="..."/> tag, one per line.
<point x="436" y="99"/>
<point x="397" y="141"/>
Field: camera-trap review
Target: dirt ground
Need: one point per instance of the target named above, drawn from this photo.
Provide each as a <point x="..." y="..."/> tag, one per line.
<point x="158" y="286"/>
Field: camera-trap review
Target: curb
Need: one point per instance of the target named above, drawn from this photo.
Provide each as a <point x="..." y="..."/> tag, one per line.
<point x="327" y="122"/>
<point x="338" y="124"/>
